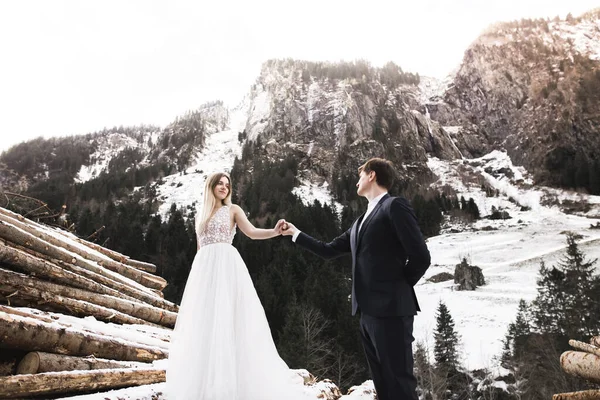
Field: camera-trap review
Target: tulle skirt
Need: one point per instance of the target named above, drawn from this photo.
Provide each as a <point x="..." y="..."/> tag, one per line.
<point x="222" y="347"/>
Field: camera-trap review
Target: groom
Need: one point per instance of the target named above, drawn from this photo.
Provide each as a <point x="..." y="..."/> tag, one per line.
<point x="389" y="256"/>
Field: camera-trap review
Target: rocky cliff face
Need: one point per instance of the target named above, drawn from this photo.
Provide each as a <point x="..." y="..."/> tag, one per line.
<point x="532" y="88"/>
<point x="333" y="117"/>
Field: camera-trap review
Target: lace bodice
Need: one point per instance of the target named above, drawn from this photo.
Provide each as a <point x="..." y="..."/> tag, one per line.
<point x="218" y="229"/>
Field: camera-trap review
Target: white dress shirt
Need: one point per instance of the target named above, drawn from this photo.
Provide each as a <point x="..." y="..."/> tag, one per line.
<point x="370" y="208"/>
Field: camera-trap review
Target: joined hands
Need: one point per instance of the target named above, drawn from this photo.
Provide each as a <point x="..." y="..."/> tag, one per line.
<point x="285" y="228"/>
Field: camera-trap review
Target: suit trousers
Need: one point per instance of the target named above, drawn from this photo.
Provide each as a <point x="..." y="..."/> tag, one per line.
<point x="387" y="342"/>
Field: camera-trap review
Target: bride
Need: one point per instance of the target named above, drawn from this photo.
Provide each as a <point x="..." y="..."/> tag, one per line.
<point x="222" y="348"/>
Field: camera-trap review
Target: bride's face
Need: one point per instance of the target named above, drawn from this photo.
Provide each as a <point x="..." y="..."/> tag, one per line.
<point x="222" y="189"/>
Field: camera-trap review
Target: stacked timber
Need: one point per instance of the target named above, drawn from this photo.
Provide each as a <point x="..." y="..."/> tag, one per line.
<point x="49" y="280"/>
<point x="584" y="362"/>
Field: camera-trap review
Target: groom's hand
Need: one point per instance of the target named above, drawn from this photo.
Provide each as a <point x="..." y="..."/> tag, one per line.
<point x="289" y="229"/>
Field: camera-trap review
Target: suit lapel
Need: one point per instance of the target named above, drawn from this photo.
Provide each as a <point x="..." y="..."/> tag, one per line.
<point x="354" y="234"/>
<point x="368" y="220"/>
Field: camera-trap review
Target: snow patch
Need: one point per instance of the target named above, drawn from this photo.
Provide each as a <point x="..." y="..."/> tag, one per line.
<point x="260" y="112"/>
<point x="366" y="391"/>
<point x="310" y="192"/>
<point x="186" y="189"/>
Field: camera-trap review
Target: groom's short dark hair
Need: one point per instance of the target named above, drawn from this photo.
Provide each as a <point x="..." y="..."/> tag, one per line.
<point x="384" y="171"/>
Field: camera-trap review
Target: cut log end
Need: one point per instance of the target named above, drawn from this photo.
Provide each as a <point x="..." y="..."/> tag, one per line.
<point x="583" y="365"/>
<point x="581" y="395"/>
<point x="30" y="364"/>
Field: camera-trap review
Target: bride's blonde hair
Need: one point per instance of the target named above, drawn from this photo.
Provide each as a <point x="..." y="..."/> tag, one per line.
<point x="210" y="200"/>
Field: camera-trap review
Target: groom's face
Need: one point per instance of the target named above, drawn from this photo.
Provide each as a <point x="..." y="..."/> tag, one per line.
<point x="364" y="182"/>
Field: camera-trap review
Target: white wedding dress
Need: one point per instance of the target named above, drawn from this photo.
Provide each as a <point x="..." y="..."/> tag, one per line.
<point x="222" y="348"/>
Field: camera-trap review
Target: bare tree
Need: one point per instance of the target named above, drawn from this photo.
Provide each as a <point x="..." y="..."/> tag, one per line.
<point x="344" y="369"/>
<point x="317" y="349"/>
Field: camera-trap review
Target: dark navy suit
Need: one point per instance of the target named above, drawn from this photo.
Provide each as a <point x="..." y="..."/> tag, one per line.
<point x="389" y="256"/>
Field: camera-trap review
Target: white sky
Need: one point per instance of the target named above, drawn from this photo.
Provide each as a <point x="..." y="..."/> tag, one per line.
<point x="73" y="67"/>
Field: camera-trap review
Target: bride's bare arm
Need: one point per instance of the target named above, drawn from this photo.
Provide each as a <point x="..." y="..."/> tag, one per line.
<point x="250" y="230"/>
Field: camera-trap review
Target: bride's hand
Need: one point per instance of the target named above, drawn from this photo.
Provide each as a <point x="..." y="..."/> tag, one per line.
<point x="279" y="227"/>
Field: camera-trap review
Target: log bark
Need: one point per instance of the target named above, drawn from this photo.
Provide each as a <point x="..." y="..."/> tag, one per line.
<point x="46" y="290"/>
<point x="56" y="239"/>
<point x="162" y="334"/>
<point x="584" y="365"/>
<point x="52" y="383"/>
<point x="65" y="239"/>
<point x="107" y="252"/>
<point x="19" y="217"/>
<point x="588" y="348"/>
<point x="141" y="279"/>
<point x="144" y="266"/>
<point x="155" y="299"/>
<point x="41" y="265"/>
<point x="37" y="362"/>
<point x="34" y="335"/>
<point x="581" y="395"/>
<point x="141" y="265"/>
<point x="31" y="296"/>
<point x="15" y="311"/>
<point x="36" y="265"/>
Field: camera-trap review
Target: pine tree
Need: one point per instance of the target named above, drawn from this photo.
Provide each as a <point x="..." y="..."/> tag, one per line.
<point x="291" y="344"/>
<point x="423" y="370"/>
<point x="473" y="209"/>
<point x="176" y="243"/>
<point x="567" y="302"/>
<point x="507" y="354"/>
<point x="519" y="331"/>
<point x="463" y="203"/>
<point x="549" y="305"/>
<point x="446" y="340"/>
<point x="580" y="300"/>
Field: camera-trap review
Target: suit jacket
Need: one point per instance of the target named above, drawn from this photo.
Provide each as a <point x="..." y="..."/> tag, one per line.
<point x="389" y="256"/>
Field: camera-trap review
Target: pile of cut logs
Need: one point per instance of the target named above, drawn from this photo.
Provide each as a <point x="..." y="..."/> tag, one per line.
<point x="584" y="363"/>
<point x="49" y="280"/>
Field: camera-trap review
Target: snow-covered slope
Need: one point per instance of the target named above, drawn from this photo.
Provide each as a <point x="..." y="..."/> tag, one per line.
<point x="186" y="189"/>
<point x="508" y="251"/>
<point x="109" y="146"/>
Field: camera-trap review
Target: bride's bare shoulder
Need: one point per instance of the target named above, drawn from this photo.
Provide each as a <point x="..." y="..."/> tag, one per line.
<point x="235" y="208"/>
